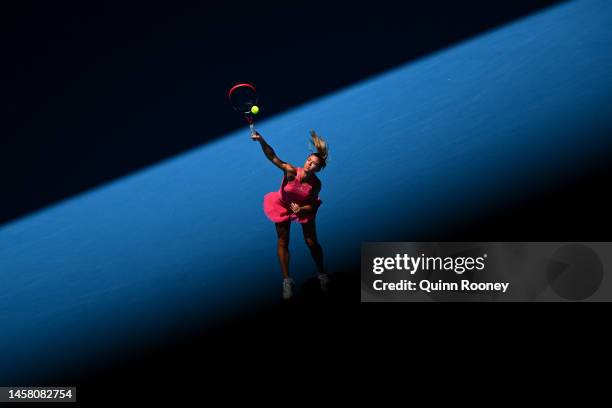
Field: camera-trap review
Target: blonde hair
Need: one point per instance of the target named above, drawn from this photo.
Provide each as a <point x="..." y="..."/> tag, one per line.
<point x="321" y="146"/>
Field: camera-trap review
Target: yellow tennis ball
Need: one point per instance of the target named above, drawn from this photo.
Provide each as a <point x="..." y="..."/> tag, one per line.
<point x="255" y="110"/>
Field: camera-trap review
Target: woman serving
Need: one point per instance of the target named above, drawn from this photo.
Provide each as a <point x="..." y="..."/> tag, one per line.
<point x="297" y="200"/>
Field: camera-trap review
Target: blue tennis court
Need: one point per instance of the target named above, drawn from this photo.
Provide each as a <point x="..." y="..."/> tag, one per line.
<point x="185" y="242"/>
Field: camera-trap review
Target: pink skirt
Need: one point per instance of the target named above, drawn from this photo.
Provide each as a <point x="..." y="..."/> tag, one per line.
<point x="277" y="211"/>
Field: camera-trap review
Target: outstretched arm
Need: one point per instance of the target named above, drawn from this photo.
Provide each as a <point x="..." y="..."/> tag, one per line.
<point x="270" y="154"/>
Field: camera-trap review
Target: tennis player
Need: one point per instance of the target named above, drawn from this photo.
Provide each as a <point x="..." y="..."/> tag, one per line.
<point x="297" y="200"/>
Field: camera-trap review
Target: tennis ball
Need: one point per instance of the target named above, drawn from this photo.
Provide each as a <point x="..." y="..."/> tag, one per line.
<point x="255" y="110"/>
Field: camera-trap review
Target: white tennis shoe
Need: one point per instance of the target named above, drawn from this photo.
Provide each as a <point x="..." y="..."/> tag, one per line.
<point x="324" y="281"/>
<point x="287" y="288"/>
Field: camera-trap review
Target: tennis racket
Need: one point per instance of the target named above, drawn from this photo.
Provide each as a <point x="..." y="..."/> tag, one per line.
<point x="243" y="98"/>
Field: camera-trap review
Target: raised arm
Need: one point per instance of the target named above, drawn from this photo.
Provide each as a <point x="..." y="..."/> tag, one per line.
<point x="269" y="152"/>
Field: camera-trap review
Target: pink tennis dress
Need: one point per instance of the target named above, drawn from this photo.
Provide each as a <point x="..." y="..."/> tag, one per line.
<point x="277" y="204"/>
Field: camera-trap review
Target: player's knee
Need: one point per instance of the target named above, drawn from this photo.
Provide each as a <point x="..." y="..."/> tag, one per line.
<point x="283" y="242"/>
<point x="311" y="243"/>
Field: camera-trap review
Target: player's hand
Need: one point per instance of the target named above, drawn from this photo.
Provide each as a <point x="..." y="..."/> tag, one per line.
<point x="255" y="136"/>
<point x="295" y="208"/>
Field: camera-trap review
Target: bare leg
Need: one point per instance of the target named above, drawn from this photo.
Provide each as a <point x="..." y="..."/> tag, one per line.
<point x="310" y="236"/>
<point x="282" y="231"/>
